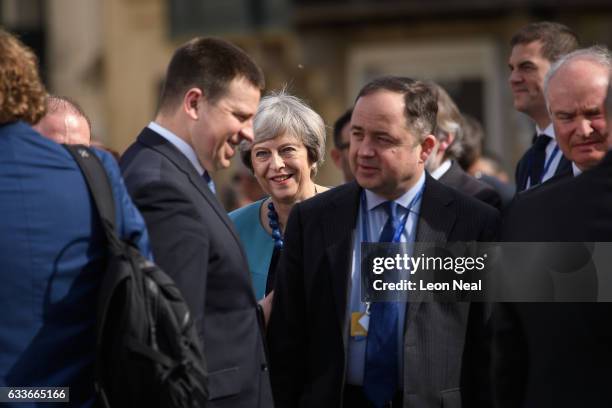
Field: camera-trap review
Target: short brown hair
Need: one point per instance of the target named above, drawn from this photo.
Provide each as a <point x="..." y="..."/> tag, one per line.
<point x="557" y="39"/>
<point x="420" y="99"/>
<point x="22" y="94"/>
<point x="209" y="64"/>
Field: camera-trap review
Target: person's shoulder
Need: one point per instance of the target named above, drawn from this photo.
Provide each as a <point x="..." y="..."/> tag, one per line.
<point x="141" y="164"/>
<point x="471" y="186"/>
<point x="16" y="127"/>
<point x="556" y="185"/>
<point x="246" y="213"/>
<point x="139" y="155"/>
<point x="465" y="204"/>
<point x="107" y="160"/>
<point x="340" y="195"/>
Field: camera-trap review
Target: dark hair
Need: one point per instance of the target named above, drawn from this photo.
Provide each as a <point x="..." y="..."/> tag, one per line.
<point x="557" y="39"/>
<point x="473" y="137"/>
<point x="209" y="64"/>
<point x="339" y="125"/>
<point x="22" y="93"/>
<point x="420" y="99"/>
<point x="63" y="103"/>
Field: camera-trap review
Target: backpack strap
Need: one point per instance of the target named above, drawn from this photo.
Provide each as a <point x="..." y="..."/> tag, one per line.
<point x="100" y="189"/>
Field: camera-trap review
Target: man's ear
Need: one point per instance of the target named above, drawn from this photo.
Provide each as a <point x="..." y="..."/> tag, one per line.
<point x="427" y="145"/>
<point x="191" y="102"/>
<point x="336" y="156"/>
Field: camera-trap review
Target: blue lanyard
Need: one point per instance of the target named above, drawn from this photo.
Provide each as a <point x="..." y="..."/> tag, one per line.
<point x="550" y="160"/>
<point x="399" y="229"/>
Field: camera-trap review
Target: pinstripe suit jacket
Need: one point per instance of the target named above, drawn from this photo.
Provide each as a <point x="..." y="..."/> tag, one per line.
<point x="308" y="331"/>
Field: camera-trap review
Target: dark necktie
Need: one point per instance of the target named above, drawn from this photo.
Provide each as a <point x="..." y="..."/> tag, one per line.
<point x="209" y="181"/>
<point x="537" y="159"/>
<point x="381" y="362"/>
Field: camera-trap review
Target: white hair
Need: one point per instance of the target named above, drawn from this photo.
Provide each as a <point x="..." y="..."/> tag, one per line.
<point x="598" y="54"/>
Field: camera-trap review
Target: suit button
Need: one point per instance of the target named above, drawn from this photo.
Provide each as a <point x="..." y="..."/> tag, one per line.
<point x="264" y="367"/>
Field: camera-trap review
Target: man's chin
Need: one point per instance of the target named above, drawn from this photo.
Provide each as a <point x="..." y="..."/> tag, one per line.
<point x="368" y="183"/>
<point x="586" y="163"/>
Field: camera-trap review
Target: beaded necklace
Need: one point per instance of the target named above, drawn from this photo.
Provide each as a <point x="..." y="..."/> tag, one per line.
<point x="275" y="225"/>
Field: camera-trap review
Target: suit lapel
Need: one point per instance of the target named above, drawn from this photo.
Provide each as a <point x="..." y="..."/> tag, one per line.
<point x="436" y="220"/>
<point x="154" y="141"/>
<point x="522" y="171"/>
<point x="338" y="224"/>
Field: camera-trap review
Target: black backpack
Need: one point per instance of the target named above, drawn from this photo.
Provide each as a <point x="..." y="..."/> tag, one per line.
<point x="148" y="352"/>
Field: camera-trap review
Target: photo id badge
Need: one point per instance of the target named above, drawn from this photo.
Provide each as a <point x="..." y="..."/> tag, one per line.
<point x="359" y="324"/>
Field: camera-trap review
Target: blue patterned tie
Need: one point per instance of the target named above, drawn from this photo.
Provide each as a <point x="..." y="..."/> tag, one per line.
<point x="209" y="181"/>
<point x="381" y="362"/>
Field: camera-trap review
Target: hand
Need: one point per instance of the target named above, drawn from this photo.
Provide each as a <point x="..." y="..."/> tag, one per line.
<point x="266" y="304"/>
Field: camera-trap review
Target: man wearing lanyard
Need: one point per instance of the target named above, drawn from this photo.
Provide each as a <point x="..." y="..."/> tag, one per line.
<point x="319" y="356"/>
<point x="534" y="48"/>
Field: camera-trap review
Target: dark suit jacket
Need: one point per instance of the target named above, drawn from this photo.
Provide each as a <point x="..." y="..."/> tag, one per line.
<point x="194" y="241"/>
<point x="308" y="330"/>
<point x="505" y="190"/>
<point x="522" y="169"/>
<point x="557" y="355"/>
<point x="458" y="179"/>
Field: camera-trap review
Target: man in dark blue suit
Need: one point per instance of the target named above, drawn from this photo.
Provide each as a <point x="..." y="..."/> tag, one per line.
<point x="210" y="95"/>
<point x="534" y="48"/>
<point x="52" y="246"/>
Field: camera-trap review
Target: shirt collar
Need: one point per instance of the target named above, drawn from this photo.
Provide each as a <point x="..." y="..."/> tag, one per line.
<point x="179" y="143"/>
<point x="548" y="131"/>
<point x="374" y="200"/>
<point x="441" y="170"/>
<point x="575" y="170"/>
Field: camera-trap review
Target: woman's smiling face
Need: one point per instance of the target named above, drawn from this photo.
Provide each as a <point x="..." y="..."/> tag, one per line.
<point x="282" y="168"/>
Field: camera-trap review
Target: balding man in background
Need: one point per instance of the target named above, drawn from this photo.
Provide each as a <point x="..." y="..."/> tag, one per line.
<point x="65" y="122"/>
